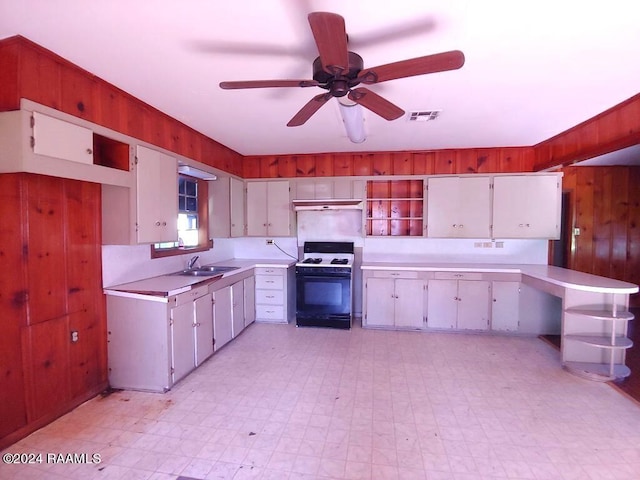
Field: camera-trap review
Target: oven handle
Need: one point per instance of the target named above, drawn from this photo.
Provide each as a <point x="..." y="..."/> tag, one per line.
<point x="334" y="276"/>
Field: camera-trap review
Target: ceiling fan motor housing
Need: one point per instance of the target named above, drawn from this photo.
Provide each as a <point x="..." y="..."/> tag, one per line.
<point x="340" y="83"/>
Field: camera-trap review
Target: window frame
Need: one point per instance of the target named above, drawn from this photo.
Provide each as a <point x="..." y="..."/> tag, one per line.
<point x="204" y="242"/>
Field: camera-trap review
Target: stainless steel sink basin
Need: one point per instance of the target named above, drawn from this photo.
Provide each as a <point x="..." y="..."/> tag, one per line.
<point x="206" y="271"/>
<point x="196" y="272"/>
<point x="217" y="268"/>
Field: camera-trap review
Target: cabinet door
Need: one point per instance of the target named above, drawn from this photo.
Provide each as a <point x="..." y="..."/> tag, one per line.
<point x="279" y="209"/>
<point x="459" y="207"/>
<point x="526" y="206"/>
<point x="222" y="327"/>
<point x="203" y="308"/>
<point x="220" y="208"/>
<point x="249" y="300"/>
<point x="257" y="209"/>
<point x="505" y="307"/>
<point x="381" y="299"/>
<point x="182" y="340"/>
<point x="59" y="139"/>
<point x="473" y="305"/>
<point x="157" y="196"/>
<point x="237" y="308"/>
<point x="237" y="208"/>
<point x="410" y="303"/>
<point x="442" y="303"/>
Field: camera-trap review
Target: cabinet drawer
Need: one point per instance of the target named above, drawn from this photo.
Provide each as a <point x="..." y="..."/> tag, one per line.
<point x="270" y="297"/>
<point x="270" y="271"/>
<point x="270" y="282"/>
<point x="394" y="274"/>
<point x="189" y="296"/>
<point x="270" y="312"/>
<point x="458" y="276"/>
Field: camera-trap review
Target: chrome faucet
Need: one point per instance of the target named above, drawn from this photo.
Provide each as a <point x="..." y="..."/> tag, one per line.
<point x="193" y="261"/>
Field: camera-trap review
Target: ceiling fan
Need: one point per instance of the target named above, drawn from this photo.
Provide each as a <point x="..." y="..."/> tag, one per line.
<point x="340" y="71"/>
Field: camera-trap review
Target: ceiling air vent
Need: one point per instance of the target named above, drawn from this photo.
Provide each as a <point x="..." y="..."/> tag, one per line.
<point x="423" y="115"/>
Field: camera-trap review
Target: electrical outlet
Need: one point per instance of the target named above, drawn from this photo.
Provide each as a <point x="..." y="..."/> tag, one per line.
<point x="269" y="242"/>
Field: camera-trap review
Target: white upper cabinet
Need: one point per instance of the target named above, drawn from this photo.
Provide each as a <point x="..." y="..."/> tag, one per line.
<point x="59" y="139"/>
<point x="323" y="188"/>
<point x="157" y="196"/>
<point x="458" y="207"/>
<point x="268" y="209"/>
<point x="237" y="208"/>
<point x="526" y="206"/>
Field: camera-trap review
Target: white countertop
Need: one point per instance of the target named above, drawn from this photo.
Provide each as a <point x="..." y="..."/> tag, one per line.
<point x="558" y="276"/>
<point x="171" y="284"/>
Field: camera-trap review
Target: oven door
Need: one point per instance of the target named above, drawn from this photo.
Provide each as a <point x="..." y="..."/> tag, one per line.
<point x="323" y="295"/>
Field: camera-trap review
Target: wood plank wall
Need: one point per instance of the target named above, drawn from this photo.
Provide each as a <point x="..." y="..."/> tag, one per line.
<point x="470" y="160"/>
<point x="605" y="206"/>
<point x="30" y="71"/>
<point x="615" y="128"/>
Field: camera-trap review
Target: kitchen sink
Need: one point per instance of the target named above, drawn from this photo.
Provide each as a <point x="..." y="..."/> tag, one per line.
<point x="206" y="271"/>
<point x="217" y="268"/>
<point x="196" y="272"/>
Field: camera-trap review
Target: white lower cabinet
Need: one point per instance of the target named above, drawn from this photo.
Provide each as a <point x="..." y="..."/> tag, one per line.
<point x="154" y="342"/>
<point x="505" y="306"/>
<point x="274" y="294"/>
<point x="249" y="300"/>
<point x="395" y="301"/>
<point x="222" y="317"/>
<point x="458" y="304"/>
<point x="234" y="309"/>
<point x="237" y="308"/>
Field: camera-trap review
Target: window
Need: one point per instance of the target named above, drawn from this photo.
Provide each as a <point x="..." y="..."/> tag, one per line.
<point x="193" y="225"/>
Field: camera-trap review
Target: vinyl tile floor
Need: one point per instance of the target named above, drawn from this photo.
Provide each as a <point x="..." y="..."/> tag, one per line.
<point x="281" y="402"/>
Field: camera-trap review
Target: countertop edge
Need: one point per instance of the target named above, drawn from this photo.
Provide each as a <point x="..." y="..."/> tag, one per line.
<point x="135" y="289"/>
<point x="555" y="275"/>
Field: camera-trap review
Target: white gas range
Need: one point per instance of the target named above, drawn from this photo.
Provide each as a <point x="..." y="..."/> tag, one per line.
<point x="324" y="285"/>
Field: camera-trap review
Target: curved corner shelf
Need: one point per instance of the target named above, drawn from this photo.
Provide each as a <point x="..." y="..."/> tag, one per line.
<point x="601" y="341"/>
<point x="601" y="314"/>
<point x="599" y="372"/>
<point x="594" y="335"/>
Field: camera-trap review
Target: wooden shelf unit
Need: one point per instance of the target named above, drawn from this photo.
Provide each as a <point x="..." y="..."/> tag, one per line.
<point x="595" y="349"/>
<point x="395" y="208"/>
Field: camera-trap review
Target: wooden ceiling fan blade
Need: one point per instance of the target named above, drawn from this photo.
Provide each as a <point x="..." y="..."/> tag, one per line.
<point x="267" y="84"/>
<point x="309" y="109"/>
<point x="375" y="103"/>
<point x="331" y="38"/>
<point x="440" y="62"/>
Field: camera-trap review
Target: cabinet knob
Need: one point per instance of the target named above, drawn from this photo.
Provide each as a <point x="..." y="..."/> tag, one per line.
<point x="89" y="151"/>
<point x="157" y="224"/>
<point x="164" y="224"/>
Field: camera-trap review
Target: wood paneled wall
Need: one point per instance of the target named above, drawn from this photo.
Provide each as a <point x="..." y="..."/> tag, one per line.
<point x="30" y="71"/>
<point x="50" y="286"/>
<point x="613" y="129"/>
<point x="605" y="206"/>
<point x="470" y="160"/>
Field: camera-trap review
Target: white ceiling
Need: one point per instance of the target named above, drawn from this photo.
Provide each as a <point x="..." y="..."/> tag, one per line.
<point x="533" y="68"/>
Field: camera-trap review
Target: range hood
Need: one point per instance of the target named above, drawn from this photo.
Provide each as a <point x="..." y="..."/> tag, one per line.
<point x="328" y="204"/>
<point x="195" y="172"/>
